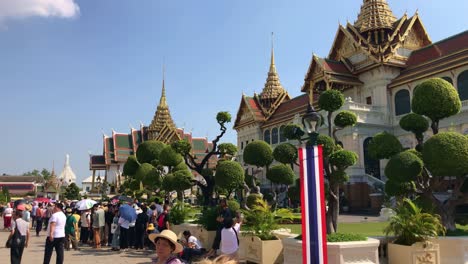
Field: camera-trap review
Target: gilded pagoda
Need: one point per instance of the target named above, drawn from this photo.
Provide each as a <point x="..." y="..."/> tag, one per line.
<point x="119" y="146"/>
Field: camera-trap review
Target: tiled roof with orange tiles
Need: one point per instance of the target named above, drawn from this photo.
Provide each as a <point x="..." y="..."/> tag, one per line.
<point x="285" y="109"/>
<point x="439" y="49"/>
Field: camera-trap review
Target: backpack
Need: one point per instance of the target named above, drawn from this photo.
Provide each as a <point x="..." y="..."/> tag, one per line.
<point x="161" y="222"/>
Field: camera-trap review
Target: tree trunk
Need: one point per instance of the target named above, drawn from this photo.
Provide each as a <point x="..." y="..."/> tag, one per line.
<point x="447" y="213"/>
<point x="330" y="127"/>
<point x="435" y="127"/>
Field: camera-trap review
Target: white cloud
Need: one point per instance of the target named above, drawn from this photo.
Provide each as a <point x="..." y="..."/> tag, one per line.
<point x="14" y="9"/>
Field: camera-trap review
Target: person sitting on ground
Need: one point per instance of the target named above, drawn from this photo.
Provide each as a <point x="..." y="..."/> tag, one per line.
<point x="192" y="247"/>
<point x="166" y="247"/>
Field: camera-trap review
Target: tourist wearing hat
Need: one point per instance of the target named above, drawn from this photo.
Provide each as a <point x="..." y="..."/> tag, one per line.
<point x="27" y="213"/>
<point x="71" y="226"/>
<point x="166" y="247"/>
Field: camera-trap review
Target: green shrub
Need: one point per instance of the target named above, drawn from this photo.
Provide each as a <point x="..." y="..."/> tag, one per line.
<point x="345" y="118"/>
<point x="229" y="174"/>
<point x="328" y="144"/>
<point x="131" y="166"/>
<point x="253" y="199"/>
<point x="285" y="153"/>
<point x="343" y="158"/>
<point x="331" y="100"/>
<point x="149" y="150"/>
<point x="446" y="154"/>
<point x="414" y="123"/>
<point x="281" y="174"/>
<point x="179" y="213"/>
<point x="207" y="218"/>
<point x="384" y="145"/>
<point x="404" y="166"/>
<point x="258" y="153"/>
<point x="169" y="157"/>
<point x="342" y="237"/>
<point x="436" y="99"/>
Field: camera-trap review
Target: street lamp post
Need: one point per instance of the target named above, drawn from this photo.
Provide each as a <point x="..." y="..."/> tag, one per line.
<point x="311" y="122"/>
<point x="314" y="235"/>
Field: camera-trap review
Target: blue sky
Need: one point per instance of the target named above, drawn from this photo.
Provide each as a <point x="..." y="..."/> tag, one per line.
<point x="72" y="69"/>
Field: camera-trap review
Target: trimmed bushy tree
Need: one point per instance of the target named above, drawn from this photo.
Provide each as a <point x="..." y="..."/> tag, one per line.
<point x="281" y="174"/>
<point x="229" y="175"/>
<point x="384" y="145"/>
<point x="223" y="151"/>
<point x="336" y="160"/>
<point x="285" y="153"/>
<point x="131" y="166"/>
<point x="258" y="153"/>
<point x="439" y="164"/>
<point x="437" y="99"/>
<point x="149" y="150"/>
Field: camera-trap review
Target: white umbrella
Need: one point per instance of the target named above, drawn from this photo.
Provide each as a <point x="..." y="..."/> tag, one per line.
<point x="85" y="204"/>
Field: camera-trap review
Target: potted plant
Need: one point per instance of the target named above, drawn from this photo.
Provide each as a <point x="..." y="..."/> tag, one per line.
<point x="413" y="229"/>
<point x="261" y="245"/>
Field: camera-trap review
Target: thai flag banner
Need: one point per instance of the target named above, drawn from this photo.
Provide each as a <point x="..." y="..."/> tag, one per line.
<point x="314" y="231"/>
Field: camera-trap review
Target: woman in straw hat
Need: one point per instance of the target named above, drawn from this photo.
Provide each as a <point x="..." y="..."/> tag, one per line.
<point x="166" y="246"/>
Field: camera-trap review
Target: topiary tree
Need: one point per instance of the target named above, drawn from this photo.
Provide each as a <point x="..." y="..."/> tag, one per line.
<point x="149" y="150"/>
<point x="258" y="153"/>
<point x="437" y="99"/>
<point x="417" y="124"/>
<point x="331" y="101"/>
<point x="131" y="166"/>
<point x="384" y="145"/>
<point x="439" y="164"/>
<point x="221" y="150"/>
<point x="169" y="157"/>
<point x="285" y="153"/>
<point x="229" y="175"/>
<point x="335" y="159"/>
<point x="72" y="192"/>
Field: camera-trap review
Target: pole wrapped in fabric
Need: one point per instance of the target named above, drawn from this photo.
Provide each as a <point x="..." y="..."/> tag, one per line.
<point x="314" y="231"/>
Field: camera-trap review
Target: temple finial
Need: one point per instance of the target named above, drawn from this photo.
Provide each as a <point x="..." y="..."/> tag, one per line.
<point x="163" y="101"/>
<point x="272" y="62"/>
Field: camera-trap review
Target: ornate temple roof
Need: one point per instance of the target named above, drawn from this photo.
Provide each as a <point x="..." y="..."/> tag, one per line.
<point x="162" y="116"/>
<point x="375" y="15"/>
<point x="273" y="88"/>
<point x="67" y="175"/>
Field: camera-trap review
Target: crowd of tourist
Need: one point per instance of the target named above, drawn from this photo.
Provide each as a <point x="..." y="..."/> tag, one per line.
<point x="118" y="226"/>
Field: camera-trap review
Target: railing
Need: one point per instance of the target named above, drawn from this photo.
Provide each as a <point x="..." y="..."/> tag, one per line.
<point x="369" y="114"/>
<point x="372" y="181"/>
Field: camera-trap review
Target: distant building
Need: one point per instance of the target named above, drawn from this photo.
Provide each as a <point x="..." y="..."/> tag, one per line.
<point x="87" y="184"/>
<point x="67" y="176"/>
<point x="21" y="185"/>
<point x="118" y="147"/>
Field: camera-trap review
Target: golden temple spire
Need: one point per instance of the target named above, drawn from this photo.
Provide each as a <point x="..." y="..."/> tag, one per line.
<point x="162" y="101"/>
<point x="273" y="88"/>
<point x="162" y="116"/>
<point x="272" y="62"/>
<point x="375" y="15"/>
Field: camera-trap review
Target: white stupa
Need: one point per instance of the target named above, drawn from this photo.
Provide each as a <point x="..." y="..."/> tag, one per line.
<point x="67" y="176"/>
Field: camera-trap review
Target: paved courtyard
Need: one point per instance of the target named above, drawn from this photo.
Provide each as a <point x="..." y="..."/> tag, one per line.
<point x="35" y="253"/>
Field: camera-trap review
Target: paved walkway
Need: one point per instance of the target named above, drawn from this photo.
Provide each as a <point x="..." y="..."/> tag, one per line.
<point x="35" y="253"/>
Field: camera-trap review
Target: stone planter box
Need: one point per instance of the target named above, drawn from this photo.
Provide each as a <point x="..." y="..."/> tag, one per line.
<point x="261" y="251"/>
<point x="415" y="254"/>
<point x="354" y="252"/>
<point x="338" y="253"/>
<point x="453" y="250"/>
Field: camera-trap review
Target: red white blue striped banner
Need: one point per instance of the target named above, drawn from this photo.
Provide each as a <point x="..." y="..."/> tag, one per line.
<point x="314" y="231"/>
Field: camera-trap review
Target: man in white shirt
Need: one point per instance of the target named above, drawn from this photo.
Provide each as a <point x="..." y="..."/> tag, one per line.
<point x="55" y="235"/>
<point x="230" y="238"/>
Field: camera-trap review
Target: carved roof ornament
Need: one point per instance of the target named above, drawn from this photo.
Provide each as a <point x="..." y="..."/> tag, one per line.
<point x="375" y="15"/>
<point x="162" y="116"/>
<point x="273" y="88"/>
